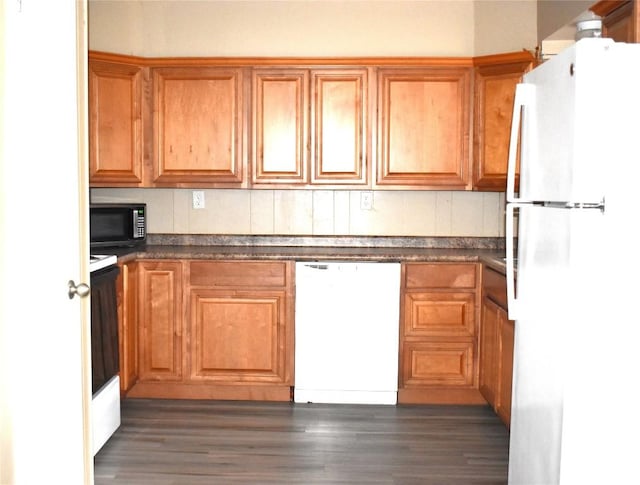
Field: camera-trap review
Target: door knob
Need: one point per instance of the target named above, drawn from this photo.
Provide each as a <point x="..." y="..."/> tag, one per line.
<point x="81" y="290"/>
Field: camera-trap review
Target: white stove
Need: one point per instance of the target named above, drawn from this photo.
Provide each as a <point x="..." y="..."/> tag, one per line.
<point x="99" y="261"/>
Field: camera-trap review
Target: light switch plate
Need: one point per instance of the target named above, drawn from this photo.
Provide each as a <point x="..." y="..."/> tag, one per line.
<point x="198" y="199"/>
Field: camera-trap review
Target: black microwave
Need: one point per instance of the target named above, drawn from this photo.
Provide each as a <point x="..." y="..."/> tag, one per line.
<point x="117" y="225"/>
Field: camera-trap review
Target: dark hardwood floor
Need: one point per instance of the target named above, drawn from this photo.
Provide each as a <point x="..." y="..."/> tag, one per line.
<point x="164" y="442"/>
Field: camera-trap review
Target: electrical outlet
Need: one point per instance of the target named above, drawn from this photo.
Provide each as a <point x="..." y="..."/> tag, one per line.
<point x="198" y="199"/>
<point x="366" y="201"/>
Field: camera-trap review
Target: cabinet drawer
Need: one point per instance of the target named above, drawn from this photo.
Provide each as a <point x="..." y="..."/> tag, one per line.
<point x="494" y="287"/>
<point x="438" y="364"/>
<point x="440" y="275"/>
<point x="439" y="314"/>
<point x="238" y="274"/>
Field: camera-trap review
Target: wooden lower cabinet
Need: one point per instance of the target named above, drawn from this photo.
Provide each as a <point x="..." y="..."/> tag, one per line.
<point x="215" y="330"/>
<point x="496" y="346"/>
<point x="161" y="323"/>
<point x="126" y="294"/>
<point x="438" y="334"/>
<point x="236" y="336"/>
<point x="489" y="351"/>
<point x="507" y="332"/>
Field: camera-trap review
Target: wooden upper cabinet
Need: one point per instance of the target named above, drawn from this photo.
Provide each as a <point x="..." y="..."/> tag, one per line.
<point x="495" y="84"/>
<point x="309" y="126"/>
<point x="620" y="19"/>
<point x="198" y="114"/>
<point x="280" y="126"/>
<point x="339" y="127"/>
<point x="423" y="127"/>
<point x="308" y="123"/>
<point x="115" y="124"/>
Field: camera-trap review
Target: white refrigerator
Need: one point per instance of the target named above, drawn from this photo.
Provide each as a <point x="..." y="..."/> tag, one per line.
<point x="575" y="405"/>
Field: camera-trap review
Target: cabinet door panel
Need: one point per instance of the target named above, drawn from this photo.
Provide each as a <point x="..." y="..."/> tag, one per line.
<point x="280" y="111"/>
<point x="490" y="352"/>
<point x="423" y="127"/>
<point x="439" y="314"/>
<point x="495" y="85"/>
<point x="197" y="125"/>
<point x="115" y="124"/>
<point x="127" y="291"/>
<point x="438" y="364"/>
<point x="160" y="304"/>
<point x="237" y="336"/>
<point x="506" y="367"/>
<point x="339" y="126"/>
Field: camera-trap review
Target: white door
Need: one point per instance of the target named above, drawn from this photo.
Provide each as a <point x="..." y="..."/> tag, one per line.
<point x="44" y="364"/>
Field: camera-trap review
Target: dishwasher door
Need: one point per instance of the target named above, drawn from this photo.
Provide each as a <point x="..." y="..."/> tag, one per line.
<point x="347" y="332"/>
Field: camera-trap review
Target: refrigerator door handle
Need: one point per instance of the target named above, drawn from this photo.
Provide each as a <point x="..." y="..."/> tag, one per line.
<point x="525" y="94"/>
<point x="512" y="302"/>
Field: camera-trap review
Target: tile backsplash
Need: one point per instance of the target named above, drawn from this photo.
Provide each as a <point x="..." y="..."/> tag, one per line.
<point x="317" y="212"/>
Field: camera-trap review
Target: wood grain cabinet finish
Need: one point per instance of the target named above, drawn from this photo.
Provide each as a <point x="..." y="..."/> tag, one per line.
<point x="241" y="322"/>
<point x="197" y="126"/>
<point x="309" y="126"/>
<point x="230" y="337"/>
<point x="438" y="340"/>
<point x="507" y="335"/>
<point x="423" y="127"/>
<point x="620" y="19"/>
<point x="496" y="345"/>
<point x="303" y="123"/>
<point x="495" y="79"/>
<point x="434" y="314"/>
<point x="490" y="351"/>
<point x="442" y="364"/>
<point x="115" y="124"/>
<point x="339" y="114"/>
<point x="161" y="323"/>
<point x="237" y="336"/>
<point x="280" y="115"/>
<point x="127" y="297"/>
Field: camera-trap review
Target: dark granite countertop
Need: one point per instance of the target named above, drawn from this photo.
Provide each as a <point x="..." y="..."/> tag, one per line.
<point x="388" y="249"/>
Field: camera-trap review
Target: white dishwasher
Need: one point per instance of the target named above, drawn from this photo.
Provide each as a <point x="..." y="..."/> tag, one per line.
<point x="346" y="332"/>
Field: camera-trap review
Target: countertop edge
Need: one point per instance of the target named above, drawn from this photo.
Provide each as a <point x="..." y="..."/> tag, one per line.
<point x="491" y="257"/>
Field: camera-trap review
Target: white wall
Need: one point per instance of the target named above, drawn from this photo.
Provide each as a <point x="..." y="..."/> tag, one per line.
<point x="282" y="28"/>
<point x="554" y="15"/>
<point x="504" y="26"/>
<point x="309" y="28"/>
